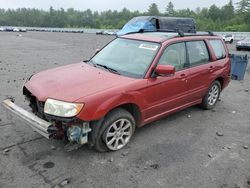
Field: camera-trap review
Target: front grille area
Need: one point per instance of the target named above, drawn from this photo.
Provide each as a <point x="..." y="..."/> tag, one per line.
<point x="61" y="124"/>
<point x="38" y="109"/>
<point x="36" y="106"/>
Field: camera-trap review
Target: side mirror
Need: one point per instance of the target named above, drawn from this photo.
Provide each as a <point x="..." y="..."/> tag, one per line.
<point x="164" y="70"/>
<point x="97" y="51"/>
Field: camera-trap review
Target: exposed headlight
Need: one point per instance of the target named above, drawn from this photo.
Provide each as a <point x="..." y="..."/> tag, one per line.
<point x="62" y="109"/>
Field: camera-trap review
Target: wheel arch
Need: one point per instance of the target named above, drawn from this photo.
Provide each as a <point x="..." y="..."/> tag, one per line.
<point x="133" y="103"/>
<point x="221" y="80"/>
<point x="133" y="109"/>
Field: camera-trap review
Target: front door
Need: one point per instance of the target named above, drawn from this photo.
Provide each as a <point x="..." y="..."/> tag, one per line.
<point x="165" y="93"/>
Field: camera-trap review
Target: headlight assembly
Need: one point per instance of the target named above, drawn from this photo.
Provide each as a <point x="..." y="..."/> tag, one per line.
<point x="62" y="109"/>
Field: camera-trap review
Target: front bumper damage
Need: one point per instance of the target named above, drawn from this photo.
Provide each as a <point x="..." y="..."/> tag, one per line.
<point x="75" y="132"/>
<point x="41" y="126"/>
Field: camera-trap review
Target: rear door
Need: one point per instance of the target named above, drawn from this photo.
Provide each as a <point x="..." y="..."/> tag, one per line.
<point x="201" y="68"/>
<point x="222" y="61"/>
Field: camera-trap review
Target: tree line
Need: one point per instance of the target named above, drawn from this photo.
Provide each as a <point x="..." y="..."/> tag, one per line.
<point x="229" y="17"/>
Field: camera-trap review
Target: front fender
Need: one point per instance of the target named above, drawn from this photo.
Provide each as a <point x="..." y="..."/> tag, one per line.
<point x="96" y="109"/>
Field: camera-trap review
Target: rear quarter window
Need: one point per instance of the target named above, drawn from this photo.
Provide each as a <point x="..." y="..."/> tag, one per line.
<point x="218" y="48"/>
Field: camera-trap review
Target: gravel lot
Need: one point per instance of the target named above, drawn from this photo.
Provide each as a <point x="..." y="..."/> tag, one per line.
<point x="182" y="150"/>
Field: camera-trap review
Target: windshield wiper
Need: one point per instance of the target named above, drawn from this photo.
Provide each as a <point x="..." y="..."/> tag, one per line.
<point x="90" y="62"/>
<point x="108" y="68"/>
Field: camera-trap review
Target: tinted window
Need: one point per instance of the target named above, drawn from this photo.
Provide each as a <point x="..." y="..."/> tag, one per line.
<point x="218" y="48"/>
<point x="197" y="53"/>
<point x="175" y="55"/>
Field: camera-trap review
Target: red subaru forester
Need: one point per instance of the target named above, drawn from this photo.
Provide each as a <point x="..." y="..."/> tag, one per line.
<point x="132" y="81"/>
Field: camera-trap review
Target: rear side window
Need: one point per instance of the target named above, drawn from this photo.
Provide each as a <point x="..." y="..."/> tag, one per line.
<point x="218" y="48"/>
<point x="197" y="53"/>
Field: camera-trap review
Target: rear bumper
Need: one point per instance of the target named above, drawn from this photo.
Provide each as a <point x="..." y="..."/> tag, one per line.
<point x="39" y="125"/>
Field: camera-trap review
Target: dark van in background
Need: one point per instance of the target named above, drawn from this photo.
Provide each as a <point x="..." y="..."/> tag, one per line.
<point x="154" y="23"/>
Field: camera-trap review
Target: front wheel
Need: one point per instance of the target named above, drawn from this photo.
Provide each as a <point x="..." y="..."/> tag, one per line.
<point x="116" y="131"/>
<point x="212" y="96"/>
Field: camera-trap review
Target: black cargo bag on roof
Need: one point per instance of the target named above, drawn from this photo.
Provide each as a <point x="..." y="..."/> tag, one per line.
<point x="187" y="25"/>
<point x="154" y="23"/>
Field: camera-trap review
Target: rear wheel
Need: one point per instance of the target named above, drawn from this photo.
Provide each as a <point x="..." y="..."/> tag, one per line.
<point x="212" y="96"/>
<point x="231" y="41"/>
<point x="116" y="131"/>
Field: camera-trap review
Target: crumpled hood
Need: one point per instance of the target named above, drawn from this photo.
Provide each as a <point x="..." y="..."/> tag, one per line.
<point x="72" y="82"/>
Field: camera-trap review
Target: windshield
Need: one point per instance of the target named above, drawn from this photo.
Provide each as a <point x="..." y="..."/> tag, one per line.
<point x="127" y="57"/>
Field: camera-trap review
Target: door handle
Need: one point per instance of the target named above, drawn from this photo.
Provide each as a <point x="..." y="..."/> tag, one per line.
<point x="211" y="68"/>
<point x="182" y="77"/>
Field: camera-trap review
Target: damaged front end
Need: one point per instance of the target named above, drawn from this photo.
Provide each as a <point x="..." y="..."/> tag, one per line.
<point x="72" y="129"/>
<point x="39" y="125"/>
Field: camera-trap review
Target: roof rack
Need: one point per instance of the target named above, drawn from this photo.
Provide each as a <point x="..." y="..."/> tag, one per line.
<point x="205" y="33"/>
<point x="180" y="32"/>
<point x="210" y="33"/>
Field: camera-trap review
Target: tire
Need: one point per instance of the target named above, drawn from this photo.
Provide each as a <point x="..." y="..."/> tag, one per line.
<point x="211" y="98"/>
<point x="231" y="41"/>
<point x="107" y="138"/>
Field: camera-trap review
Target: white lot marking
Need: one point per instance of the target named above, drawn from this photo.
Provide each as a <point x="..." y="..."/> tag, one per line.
<point x="225" y="151"/>
<point x="243" y="140"/>
<point x="235" y="156"/>
<point x="220" y="154"/>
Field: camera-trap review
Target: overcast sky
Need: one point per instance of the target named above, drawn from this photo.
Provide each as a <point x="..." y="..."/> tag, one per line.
<point x="100" y="5"/>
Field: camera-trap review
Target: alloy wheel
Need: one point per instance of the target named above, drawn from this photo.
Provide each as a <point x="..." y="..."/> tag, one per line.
<point x="213" y="95"/>
<point x="118" y="134"/>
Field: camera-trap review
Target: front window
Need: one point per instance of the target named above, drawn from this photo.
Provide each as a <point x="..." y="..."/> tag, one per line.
<point x="127" y="57"/>
<point x="175" y="55"/>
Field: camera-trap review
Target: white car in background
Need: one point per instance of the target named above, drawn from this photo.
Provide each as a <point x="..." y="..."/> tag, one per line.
<point x="2" y="29"/>
<point x="107" y="32"/>
<point x="15" y="29"/>
<point x="243" y="44"/>
<point x="22" y="30"/>
<point x="228" y="38"/>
